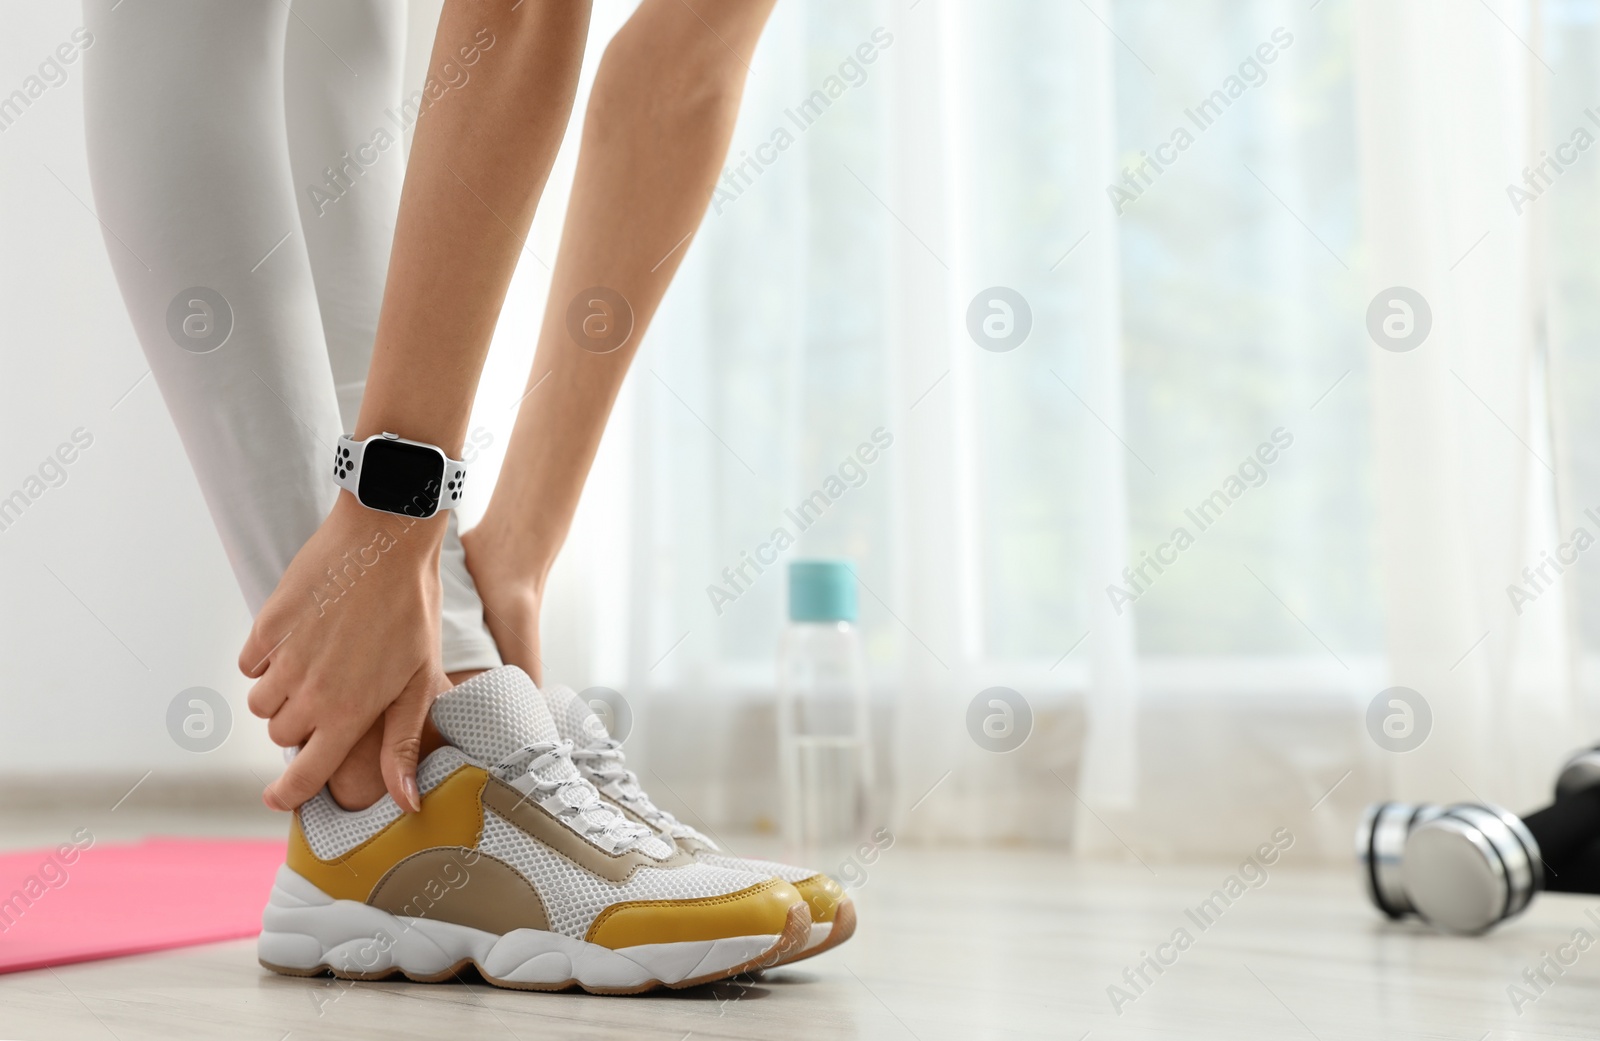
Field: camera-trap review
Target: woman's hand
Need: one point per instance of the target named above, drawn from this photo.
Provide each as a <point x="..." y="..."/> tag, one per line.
<point x="350" y="634"/>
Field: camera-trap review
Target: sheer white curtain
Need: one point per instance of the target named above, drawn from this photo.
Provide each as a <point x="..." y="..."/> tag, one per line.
<point x="826" y="298"/>
<point x="825" y="301"/>
<point x="1452" y="112"/>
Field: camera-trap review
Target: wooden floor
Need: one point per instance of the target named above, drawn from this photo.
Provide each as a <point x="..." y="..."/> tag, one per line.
<point x="959" y="945"/>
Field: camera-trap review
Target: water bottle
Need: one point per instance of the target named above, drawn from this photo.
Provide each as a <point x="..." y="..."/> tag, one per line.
<point x="824" y="746"/>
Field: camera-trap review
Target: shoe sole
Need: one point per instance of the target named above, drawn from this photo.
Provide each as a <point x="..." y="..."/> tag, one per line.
<point x="839" y="930"/>
<point x="307" y="933"/>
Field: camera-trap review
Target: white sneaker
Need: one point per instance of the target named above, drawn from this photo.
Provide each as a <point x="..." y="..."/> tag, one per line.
<point x="517" y="865"/>
<point x="599" y="756"/>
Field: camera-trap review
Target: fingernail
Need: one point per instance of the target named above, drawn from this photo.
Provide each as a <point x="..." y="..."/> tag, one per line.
<point x="409" y="786"/>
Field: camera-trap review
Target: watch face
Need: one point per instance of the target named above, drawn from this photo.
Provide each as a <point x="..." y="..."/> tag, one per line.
<point x="401" y="478"/>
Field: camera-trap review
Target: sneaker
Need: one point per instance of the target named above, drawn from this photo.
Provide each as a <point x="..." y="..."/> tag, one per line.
<point x="599" y="756"/>
<point x="517" y="866"/>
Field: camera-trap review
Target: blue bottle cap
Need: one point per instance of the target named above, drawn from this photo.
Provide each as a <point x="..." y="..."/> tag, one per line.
<point x="822" y="591"/>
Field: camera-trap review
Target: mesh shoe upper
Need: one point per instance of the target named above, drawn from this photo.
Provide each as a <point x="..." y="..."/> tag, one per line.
<point x="600" y="757"/>
<point x="764" y="868"/>
<point x="499" y="719"/>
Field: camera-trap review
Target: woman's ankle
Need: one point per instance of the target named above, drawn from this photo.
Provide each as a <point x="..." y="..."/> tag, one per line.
<point x="512" y="614"/>
<point x="512" y="593"/>
<point x="358" y="781"/>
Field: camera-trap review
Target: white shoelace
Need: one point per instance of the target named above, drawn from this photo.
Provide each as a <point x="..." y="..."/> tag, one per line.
<point x="608" y="765"/>
<point x="573" y="800"/>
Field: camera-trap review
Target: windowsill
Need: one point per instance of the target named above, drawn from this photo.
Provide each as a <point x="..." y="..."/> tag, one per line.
<point x="1285" y="679"/>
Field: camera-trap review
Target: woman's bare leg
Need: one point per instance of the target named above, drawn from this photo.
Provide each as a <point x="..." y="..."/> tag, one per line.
<point x="660" y="117"/>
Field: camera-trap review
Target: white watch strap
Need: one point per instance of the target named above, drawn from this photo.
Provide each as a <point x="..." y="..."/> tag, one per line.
<point x="348" y="454"/>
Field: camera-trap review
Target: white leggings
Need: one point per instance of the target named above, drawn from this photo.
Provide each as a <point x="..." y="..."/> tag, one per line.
<point x="208" y="125"/>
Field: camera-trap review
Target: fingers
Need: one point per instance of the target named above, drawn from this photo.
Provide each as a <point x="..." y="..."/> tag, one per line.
<point x="402" y="738"/>
<point x="258" y="647"/>
<point x="291" y="725"/>
<point x="267" y="695"/>
<point x="310" y="770"/>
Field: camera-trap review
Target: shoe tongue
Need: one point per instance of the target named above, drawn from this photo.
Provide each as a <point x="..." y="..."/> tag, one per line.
<point x="494" y="714"/>
<point x="575" y="720"/>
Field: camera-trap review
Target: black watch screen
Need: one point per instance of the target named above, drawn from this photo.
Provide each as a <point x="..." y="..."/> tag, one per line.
<point x="401" y="478"/>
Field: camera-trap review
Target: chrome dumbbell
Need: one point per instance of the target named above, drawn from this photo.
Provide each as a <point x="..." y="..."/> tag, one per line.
<point x="1461" y="868"/>
<point x="1581" y="773"/>
<point x="1471" y="867"/>
<point x="1380" y="848"/>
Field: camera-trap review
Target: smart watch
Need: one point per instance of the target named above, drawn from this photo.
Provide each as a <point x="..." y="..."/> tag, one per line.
<point x="389" y="473"/>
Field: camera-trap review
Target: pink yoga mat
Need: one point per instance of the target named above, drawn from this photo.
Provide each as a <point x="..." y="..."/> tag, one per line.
<point x="88" y="900"/>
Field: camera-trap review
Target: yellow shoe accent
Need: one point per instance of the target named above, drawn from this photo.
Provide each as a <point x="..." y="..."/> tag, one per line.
<point x="844" y="927"/>
<point x="760" y="910"/>
<point x="823" y="895"/>
<point x="452" y="815"/>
